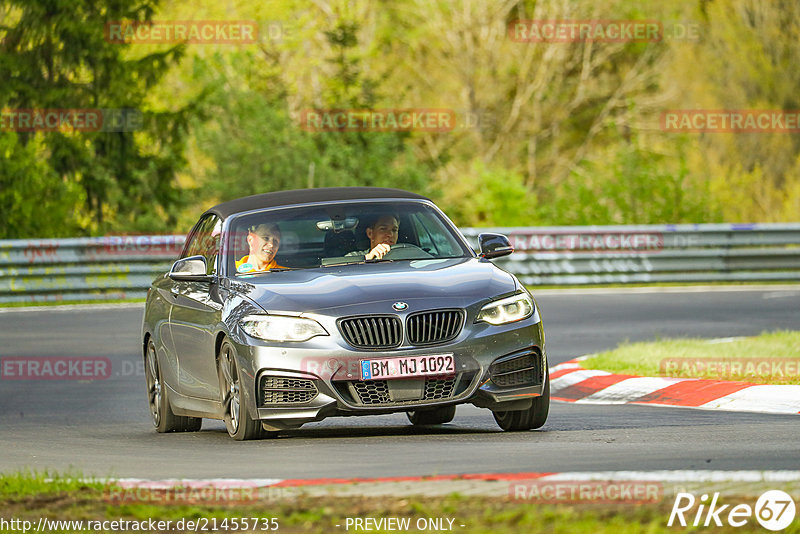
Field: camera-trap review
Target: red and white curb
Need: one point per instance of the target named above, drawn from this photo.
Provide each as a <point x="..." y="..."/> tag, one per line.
<point x="660" y="475"/>
<point x="572" y="383"/>
<point x="479" y="484"/>
<point x="468" y="484"/>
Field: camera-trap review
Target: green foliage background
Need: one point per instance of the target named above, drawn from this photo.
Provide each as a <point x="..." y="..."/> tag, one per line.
<point x="547" y="133"/>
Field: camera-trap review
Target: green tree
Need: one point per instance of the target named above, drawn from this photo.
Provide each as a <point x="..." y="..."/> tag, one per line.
<point x="54" y="55"/>
<point x="745" y="59"/>
<point x="254" y="141"/>
<point x="33" y="200"/>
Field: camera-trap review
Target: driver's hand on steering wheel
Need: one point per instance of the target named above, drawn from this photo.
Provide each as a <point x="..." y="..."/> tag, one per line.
<point x="378" y="252"/>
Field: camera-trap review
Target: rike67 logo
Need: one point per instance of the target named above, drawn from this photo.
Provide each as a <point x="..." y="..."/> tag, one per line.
<point x="774" y="510"/>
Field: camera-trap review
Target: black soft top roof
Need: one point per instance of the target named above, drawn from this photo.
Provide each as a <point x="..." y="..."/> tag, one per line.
<point x="303" y="196"/>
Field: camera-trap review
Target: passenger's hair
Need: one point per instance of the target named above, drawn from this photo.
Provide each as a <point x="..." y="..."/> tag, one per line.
<point x="261" y="229"/>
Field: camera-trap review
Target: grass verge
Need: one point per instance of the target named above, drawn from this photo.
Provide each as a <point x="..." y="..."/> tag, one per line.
<point x="770" y="358"/>
<point x="30" y="497"/>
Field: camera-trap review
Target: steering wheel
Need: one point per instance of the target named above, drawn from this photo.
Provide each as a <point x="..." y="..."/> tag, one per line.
<point x="406" y="251"/>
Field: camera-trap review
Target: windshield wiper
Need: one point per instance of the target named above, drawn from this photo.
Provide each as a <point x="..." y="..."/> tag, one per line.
<point x="338" y="264"/>
<point x="273" y="270"/>
<point x="354" y="262"/>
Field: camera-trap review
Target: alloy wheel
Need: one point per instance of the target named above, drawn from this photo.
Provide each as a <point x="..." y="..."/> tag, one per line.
<point x="232" y="400"/>
<point x="153" y="379"/>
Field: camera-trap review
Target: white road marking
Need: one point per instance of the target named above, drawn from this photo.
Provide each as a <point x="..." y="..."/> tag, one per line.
<point x="666" y="289"/>
<point x="74" y="307"/>
<point x="760" y="398"/>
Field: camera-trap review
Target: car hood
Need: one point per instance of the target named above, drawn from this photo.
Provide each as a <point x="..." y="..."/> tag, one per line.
<point x="366" y="288"/>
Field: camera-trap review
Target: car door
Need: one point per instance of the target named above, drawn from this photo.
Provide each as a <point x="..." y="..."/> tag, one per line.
<point x="196" y="311"/>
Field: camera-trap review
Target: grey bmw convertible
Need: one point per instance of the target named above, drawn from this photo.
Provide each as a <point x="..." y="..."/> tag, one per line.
<point x="289" y="307"/>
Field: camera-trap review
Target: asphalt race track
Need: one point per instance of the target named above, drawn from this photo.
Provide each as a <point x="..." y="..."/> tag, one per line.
<point x="102" y="427"/>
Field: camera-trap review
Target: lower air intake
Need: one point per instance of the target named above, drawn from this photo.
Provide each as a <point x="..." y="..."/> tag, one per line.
<point x="523" y="370"/>
<point x="279" y="390"/>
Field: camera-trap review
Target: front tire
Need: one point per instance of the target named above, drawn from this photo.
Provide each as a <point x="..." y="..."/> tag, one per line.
<point x="237" y="421"/>
<point x="437" y="416"/>
<point x="533" y="417"/>
<point x="164" y="419"/>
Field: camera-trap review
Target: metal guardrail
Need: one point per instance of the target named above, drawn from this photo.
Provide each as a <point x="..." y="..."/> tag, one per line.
<point x="91" y="268"/>
<point x="688" y="253"/>
<point x="122" y="267"/>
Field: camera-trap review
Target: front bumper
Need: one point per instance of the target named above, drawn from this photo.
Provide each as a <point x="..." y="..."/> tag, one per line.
<point x="292" y="385"/>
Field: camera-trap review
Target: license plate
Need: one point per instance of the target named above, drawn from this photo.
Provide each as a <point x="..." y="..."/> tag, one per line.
<point x="437" y="364"/>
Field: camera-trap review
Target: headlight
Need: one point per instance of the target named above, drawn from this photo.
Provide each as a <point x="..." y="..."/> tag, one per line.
<point x="507" y="310"/>
<point x="281" y="328"/>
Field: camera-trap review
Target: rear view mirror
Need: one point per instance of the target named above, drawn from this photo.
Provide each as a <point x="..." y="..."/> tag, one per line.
<point x="337" y="225"/>
<point x="494" y="246"/>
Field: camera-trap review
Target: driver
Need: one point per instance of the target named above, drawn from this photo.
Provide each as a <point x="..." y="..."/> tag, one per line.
<point x="264" y="240"/>
<point x="382" y="235"/>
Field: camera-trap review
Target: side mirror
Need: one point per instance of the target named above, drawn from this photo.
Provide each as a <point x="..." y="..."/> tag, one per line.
<point x="494" y="246"/>
<point x="191" y="269"/>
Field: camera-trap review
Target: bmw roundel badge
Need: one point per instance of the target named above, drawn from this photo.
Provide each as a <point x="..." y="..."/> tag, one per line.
<point x="400" y="306"/>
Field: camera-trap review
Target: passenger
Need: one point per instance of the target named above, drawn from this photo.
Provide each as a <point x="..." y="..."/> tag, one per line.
<point x="382" y="236"/>
<point x="264" y="240"/>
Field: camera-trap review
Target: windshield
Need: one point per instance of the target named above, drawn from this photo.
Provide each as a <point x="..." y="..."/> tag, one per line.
<point x="339" y="233"/>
